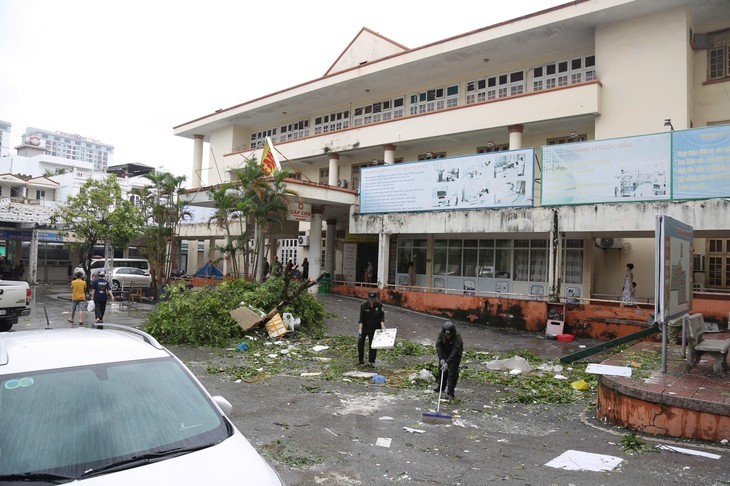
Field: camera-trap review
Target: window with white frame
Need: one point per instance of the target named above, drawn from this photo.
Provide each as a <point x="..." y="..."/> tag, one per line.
<point x="572" y="138"/>
<point x="530" y="260"/>
<point x="40" y="194"/>
<point x="324" y="176"/>
<point x="718" y="55"/>
<point x="572" y="261"/>
<point x="294" y="131"/>
<point x="564" y="73"/>
<point x="494" y="87"/>
<point x="380" y="111"/>
<point x="331" y="122"/>
<point x="493" y="148"/>
<point x="434" y="99"/>
<point x="257" y="139"/>
<point x="432" y="155"/>
<point x="356" y="172"/>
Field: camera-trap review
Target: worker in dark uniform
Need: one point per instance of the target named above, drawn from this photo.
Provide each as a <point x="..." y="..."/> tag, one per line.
<point x="449" y="347"/>
<point x="372" y="317"/>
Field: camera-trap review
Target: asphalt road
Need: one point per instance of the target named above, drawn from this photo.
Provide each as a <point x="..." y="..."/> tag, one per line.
<point x="335" y="432"/>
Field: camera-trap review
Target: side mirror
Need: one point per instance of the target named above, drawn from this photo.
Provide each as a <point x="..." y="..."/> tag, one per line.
<point x="224" y="404"/>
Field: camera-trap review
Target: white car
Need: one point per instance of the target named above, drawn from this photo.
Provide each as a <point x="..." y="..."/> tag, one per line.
<point x="129" y="277"/>
<point x="112" y="406"/>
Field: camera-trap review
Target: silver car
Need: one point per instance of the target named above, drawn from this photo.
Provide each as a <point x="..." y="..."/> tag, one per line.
<point x="112" y="406"/>
<point x="128" y="277"/>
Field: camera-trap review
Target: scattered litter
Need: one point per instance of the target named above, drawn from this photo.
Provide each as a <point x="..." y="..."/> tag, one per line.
<point x="688" y="451"/>
<point x="723" y="441"/>
<point x="245" y="317"/>
<point x="582" y="346"/>
<point x="514" y="363"/>
<point x="600" y="369"/>
<point x="276" y="328"/>
<point x="328" y="430"/>
<point x="380" y="379"/>
<point x="291" y="322"/>
<point x="385" y="417"/>
<point x="413" y="431"/>
<point x="358" y="374"/>
<point x="284" y="351"/>
<point x="502" y="440"/>
<point x="580" y="385"/>
<point x="383" y="441"/>
<point x="549" y="367"/>
<point x="319" y="348"/>
<point x="560" y="377"/>
<point x="242" y="347"/>
<point x="515" y="372"/>
<point x="422" y="375"/>
<point x="272" y="356"/>
<point x="584" y="461"/>
<point x="311" y="374"/>
<point x="238" y="381"/>
<point x="325" y="360"/>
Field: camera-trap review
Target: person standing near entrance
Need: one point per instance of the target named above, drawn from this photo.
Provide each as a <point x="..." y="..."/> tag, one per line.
<point x="305" y="269"/>
<point x="78" y="298"/>
<point x="100" y="292"/>
<point x="627" y="293"/>
<point x="372" y="317"/>
<point x="411" y="274"/>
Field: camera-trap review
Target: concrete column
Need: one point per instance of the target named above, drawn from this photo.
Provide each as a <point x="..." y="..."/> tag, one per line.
<point x="315" y="246"/>
<point x="383" y="259"/>
<point x="329" y="253"/>
<point x="389" y="154"/>
<point x="197" y="161"/>
<point x="334" y="173"/>
<point x="515" y="136"/>
<point x="33" y="259"/>
<point x="193" y="265"/>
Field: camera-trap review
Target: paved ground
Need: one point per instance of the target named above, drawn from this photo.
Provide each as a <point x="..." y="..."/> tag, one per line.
<point x="326" y="432"/>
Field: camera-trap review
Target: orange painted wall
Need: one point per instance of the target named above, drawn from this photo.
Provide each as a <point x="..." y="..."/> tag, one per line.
<point x="656" y="418"/>
<point x="603" y="321"/>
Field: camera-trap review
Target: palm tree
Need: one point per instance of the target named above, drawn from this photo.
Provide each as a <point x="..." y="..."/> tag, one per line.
<point x="227" y="202"/>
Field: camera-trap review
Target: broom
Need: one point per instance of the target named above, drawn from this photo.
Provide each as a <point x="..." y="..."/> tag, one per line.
<point x="438" y="417"/>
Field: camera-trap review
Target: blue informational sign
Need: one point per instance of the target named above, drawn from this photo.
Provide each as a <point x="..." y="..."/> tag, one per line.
<point x="701" y="163"/>
<point x="605" y="171"/>
<point x="493" y="180"/>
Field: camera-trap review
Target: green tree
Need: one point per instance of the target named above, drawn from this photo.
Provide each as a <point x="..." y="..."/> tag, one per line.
<point x="98" y="214"/>
<point x="162" y="212"/>
<point x="228" y="204"/>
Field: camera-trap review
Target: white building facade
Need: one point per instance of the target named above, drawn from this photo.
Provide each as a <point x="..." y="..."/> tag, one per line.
<point x="582" y="73"/>
<point x="73" y="147"/>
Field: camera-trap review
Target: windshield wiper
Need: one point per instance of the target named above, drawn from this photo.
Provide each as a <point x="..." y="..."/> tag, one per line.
<point x="37" y="476"/>
<point x="141" y="460"/>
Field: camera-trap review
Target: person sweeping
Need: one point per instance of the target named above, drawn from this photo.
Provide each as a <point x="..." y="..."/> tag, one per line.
<point x="449" y="347"/>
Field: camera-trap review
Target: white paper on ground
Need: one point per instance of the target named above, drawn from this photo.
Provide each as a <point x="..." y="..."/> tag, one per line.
<point x="584" y="461"/>
<point x="688" y="451"/>
<point x="383" y="441"/>
<point x="599" y="369"/>
<point x="384" y="338"/>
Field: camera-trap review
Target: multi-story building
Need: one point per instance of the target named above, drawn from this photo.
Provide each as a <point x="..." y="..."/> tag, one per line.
<point x="386" y="141"/>
<point x="73" y="147"/>
<point x="5" y="138"/>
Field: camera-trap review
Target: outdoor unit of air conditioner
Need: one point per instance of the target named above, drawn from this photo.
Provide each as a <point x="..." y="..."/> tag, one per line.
<point x="607" y="243"/>
<point x="304" y="241"/>
<point x="342" y="183"/>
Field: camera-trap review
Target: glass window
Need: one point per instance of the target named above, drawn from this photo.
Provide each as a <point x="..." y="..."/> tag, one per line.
<point x="439" y="257"/>
<point x="470" y="262"/>
<point x="503" y="263"/>
<point x="486" y="262"/>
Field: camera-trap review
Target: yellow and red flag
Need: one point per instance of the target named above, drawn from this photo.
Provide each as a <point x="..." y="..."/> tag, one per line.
<point x="269" y="161"/>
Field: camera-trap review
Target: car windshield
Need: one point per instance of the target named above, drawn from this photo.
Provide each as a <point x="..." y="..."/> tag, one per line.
<point x="70" y="421"/>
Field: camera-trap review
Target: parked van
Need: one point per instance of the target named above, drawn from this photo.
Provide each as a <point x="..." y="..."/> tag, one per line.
<point x="97" y="265"/>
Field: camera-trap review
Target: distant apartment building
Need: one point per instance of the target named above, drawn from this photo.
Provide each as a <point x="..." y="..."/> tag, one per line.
<point x="5" y="138"/>
<point x="74" y="147"/>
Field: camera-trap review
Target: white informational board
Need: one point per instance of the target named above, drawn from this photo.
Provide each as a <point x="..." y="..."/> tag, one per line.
<point x="674" y="269"/>
<point x="384" y="338"/>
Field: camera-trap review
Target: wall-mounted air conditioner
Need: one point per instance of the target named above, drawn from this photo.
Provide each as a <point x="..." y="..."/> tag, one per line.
<point x="342" y="183"/>
<point x="304" y="241"/>
<point x="608" y="243"/>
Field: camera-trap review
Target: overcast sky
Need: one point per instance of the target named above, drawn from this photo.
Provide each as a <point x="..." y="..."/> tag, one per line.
<point x="125" y="72"/>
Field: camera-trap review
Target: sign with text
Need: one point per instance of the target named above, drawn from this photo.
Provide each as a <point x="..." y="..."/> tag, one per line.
<point x="299" y="211"/>
<point x="674" y="259"/>
<point x="493" y="180"/>
<point x="604" y="171"/>
<point x="701" y="167"/>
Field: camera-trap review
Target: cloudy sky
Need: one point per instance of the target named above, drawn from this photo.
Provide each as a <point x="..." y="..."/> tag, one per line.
<point x="126" y="71"/>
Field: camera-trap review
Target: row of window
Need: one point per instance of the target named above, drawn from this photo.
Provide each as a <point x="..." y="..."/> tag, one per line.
<point x="718" y="55"/>
<point x="523" y="260"/>
<point x="547" y="76"/>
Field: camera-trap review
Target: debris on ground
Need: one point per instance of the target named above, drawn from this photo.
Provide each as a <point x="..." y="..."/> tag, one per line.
<point x="580" y="385"/>
<point x="515" y="365"/>
<point x="383" y="441"/>
<point x="584" y="461"/>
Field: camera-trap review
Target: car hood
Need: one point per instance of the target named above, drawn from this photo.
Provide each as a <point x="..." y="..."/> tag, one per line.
<point x="233" y="461"/>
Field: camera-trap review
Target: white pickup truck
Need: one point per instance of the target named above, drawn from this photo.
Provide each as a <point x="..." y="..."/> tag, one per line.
<point x="14" y="302"/>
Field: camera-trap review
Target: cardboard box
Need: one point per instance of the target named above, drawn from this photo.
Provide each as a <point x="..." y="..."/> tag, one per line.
<point x="384" y="339"/>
